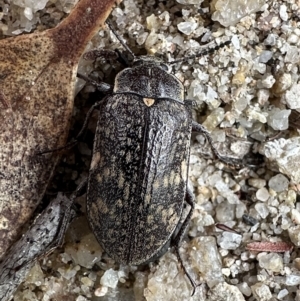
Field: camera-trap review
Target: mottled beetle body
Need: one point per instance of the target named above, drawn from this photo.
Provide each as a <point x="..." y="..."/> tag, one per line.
<point x="138" y="175"/>
<point x="137" y="185"/>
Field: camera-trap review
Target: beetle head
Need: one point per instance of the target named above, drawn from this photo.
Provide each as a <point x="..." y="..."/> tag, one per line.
<point x="150" y="61"/>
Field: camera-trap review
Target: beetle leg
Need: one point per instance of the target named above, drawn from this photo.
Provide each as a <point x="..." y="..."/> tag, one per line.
<point x="78" y="192"/>
<point x="196" y="127"/>
<point x="87" y="118"/>
<point x="74" y="142"/>
<point x="70" y="213"/>
<point x="106" y="54"/>
<point x="189" y="198"/>
<point x="101" y="86"/>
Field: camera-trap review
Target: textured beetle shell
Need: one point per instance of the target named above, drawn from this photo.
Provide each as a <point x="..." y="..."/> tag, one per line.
<point x="138" y="175"/>
<point x="149" y="81"/>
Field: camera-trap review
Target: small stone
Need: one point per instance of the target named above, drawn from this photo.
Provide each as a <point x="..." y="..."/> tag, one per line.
<point x="240" y="209"/>
<point x="230" y="12"/>
<point x="268" y="81"/>
<point x="178" y="39"/>
<point x="296" y="263"/>
<point x="279" y="119"/>
<point x="285" y="153"/>
<point x="294" y="233"/>
<point x="225" y="212"/>
<point x="240" y="148"/>
<point x="101" y="291"/>
<point x="263" y="96"/>
<point x="271" y="39"/>
<point x="295" y="215"/>
<point x="69" y="272"/>
<point x="187" y="27"/>
<point x="292" y="280"/>
<point x="279" y="183"/>
<point x="225" y="292"/>
<point x="218" y="135"/>
<point x="226" y="272"/>
<point x="245" y="289"/>
<point x="65" y="257"/>
<point x="85" y="253"/>
<point x="152" y="23"/>
<point x="283" y="82"/>
<point x="265" y="56"/>
<point x="151" y="40"/>
<point x="262" y="210"/>
<point x="249" y="220"/>
<point x="28" y="13"/>
<point x="235" y="42"/>
<point x="110" y="278"/>
<point x="283" y="293"/>
<point x="141" y="39"/>
<point x="292" y="97"/>
<point x="262" y="194"/>
<point x="261" y="292"/>
<point x="257" y="183"/>
<point x="211" y="94"/>
<point x="239" y="78"/>
<point x="168" y="272"/>
<point x="292" y="55"/>
<point x="214" y="119"/>
<point x="272" y="262"/>
<point x="293" y="39"/>
<point x="282" y="13"/>
<point x="35" y="275"/>
<point x="206" y="259"/>
<point x="255" y="115"/>
<point x="87" y="281"/>
<point x="229" y="240"/>
<point x="240" y="104"/>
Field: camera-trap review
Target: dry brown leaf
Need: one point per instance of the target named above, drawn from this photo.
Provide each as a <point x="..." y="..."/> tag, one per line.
<point x="37" y="78"/>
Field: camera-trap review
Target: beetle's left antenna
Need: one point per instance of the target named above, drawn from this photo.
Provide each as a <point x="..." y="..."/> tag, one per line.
<point x="120" y="40"/>
<point x="205" y="52"/>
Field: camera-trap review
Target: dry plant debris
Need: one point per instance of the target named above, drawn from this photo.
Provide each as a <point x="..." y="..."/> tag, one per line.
<point x="37" y="78"/>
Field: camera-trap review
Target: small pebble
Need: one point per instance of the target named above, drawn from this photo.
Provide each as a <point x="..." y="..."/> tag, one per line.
<point x="110" y="278"/>
<point x="261" y="292"/>
<point x="271" y="261"/>
<point x="279" y="183"/>
<point x="249" y="220"/>
<point x="229" y="240"/>
<point x="101" y="291"/>
<point x="262" y="194"/>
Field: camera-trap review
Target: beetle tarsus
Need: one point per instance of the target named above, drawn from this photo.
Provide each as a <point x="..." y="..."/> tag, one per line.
<point x="178" y="238"/>
<point x="196" y="127"/>
<point x="193" y="283"/>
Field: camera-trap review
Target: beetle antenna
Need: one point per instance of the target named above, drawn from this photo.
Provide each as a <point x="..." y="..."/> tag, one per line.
<point x="120" y="40"/>
<point x="202" y="53"/>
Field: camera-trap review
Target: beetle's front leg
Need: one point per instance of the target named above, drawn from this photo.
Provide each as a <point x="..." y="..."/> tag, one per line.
<point x="101" y="86"/>
<point x="196" y="127"/>
<point x="106" y="54"/>
<point x="189" y="198"/>
<point x="75" y="141"/>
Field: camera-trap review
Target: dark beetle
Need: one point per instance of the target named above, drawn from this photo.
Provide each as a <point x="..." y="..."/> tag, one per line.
<point x="137" y="183"/>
